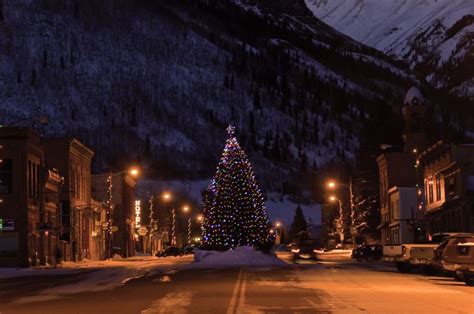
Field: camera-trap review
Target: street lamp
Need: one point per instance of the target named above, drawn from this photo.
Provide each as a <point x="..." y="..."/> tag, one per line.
<point x="332" y="184"/>
<point x="166" y="196"/>
<point x="186" y="209"/>
<point x="134" y="172"/>
<point x="340" y="224"/>
<point x="277" y="232"/>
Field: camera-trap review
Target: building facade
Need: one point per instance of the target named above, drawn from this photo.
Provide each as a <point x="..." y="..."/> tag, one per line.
<point x="123" y="210"/>
<point x="398" y="168"/>
<point x="403" y="204"/>
<point x="98" y="210"/>
<point x="50" y="216"/>
<point x="448" y="176"/>
<point x="21" y="163"/>
<point x="73" y="160"/>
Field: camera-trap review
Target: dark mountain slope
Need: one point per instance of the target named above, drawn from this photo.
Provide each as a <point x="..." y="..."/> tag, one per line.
<point x="158" y="81"/>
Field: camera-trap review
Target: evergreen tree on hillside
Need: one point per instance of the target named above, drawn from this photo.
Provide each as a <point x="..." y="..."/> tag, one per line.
<point x="299" y="223"/>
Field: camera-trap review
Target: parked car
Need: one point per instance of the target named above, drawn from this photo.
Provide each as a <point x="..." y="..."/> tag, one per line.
<point x="458" y="258"/>
<point x="367" y="252"/>
<point x="440" y="251"/>
<point x="419" y="255"/>
<point x="188" y="250"/>
<point x="170" y="251"/>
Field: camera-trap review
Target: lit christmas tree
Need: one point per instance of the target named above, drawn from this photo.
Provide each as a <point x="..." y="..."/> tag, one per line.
<point x="233" y="205"/>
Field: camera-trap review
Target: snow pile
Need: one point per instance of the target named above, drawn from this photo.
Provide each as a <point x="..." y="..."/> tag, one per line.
<point x="241" y="256"/>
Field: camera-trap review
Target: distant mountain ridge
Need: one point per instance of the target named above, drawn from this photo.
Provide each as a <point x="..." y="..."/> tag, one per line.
<point x="435" y="37"/>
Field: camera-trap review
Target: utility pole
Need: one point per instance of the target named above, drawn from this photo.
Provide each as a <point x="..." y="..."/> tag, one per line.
<point x="341" y="221"/>
<point x="189" y="231"/>
<point x="173" y="228"/>
<point x="351" y="201"/>
<point x="150" y="232"/>
<point x="108" y="235"/>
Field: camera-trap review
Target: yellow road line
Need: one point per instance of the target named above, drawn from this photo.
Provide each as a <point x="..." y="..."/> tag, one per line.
<point x="235" y="294"/>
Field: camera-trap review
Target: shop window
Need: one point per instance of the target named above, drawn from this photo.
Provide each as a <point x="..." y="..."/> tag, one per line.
<point x="6" y="176"/>
<point x="430" y="191"/>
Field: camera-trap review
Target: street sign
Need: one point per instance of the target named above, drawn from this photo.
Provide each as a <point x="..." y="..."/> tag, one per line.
<point x="142" y="231"/>
<point x="114" y="229"/>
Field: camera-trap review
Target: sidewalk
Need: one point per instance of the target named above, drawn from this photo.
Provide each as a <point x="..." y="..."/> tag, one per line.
<point x="68" y="268"/>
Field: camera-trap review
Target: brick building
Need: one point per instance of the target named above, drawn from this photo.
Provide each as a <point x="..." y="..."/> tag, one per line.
<point x="50" y="215"/>
<point x="448" y="176"/>
<point x="21" y="162"/>
<point x="73" y="160"/>
<point x="397" y="167"/>
<point x="98" y="210"/>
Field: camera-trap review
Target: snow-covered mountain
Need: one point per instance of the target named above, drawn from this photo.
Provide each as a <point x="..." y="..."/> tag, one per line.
<point x="160" y="81"/>
<point x="436" y="37"/>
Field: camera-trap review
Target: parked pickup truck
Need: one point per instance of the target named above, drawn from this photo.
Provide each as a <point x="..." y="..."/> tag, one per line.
<point x="408" y="256"/>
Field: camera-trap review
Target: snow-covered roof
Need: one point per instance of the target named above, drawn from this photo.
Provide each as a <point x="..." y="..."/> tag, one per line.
<point x="414" y="97"/>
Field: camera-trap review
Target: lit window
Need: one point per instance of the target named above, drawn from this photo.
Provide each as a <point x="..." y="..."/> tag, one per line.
<point x="438" y="187"/>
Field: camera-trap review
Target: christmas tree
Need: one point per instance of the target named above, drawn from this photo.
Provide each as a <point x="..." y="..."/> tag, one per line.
<point x="233" y="205"/>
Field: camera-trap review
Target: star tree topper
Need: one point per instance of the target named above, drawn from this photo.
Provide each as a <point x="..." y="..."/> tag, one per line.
<point x="231" y="130"/>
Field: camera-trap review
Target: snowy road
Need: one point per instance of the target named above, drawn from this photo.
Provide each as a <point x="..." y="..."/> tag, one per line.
<point x="334" y="285"/>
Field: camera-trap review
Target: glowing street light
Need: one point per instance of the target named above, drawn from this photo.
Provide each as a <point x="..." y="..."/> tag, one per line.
<point x="278" y="224"/>
<point x="134" y="172"/>
<point x="166" y="196"/>
<point x="185" y="209"/>
<point x="200" y="217"/>
<point x="331" y="184"/>
<point x="332" y="198"/>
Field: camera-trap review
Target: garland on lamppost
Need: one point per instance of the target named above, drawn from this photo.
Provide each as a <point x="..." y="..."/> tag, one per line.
<point x="233" y="205"/>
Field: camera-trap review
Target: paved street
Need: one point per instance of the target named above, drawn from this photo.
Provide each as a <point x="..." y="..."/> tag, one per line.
<point x="333" y="285"/>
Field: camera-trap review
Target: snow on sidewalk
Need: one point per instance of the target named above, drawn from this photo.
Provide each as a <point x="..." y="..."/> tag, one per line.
<point x="95" y="275"/>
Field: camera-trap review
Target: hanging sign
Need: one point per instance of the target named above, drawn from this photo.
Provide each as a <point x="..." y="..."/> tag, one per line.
<point x="142" y="231"/>
<point x="138" y="211"/>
